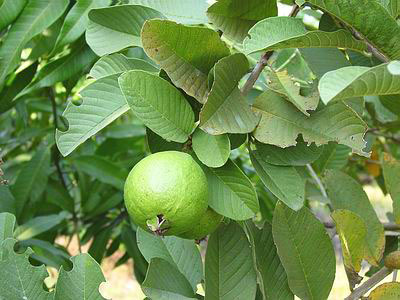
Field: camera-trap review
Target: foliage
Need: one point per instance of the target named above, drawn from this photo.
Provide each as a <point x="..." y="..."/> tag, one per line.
<point x="290" y="117"/>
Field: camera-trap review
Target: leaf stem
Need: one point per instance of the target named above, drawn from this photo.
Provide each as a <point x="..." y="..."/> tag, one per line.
<point x="319" y="183"/>
<point x="369" y="284"/>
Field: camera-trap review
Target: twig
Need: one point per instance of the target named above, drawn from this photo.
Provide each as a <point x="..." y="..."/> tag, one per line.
<point x="394" y="276"/>
<point x="369" y="284"/>
<point x="319" y="183"/>
<point x="378" y="54"/>
<point x="386" y="226"/>
<point x="295" y="11"/>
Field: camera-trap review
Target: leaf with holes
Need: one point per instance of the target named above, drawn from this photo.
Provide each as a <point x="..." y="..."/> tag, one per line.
<point x="350" y="82"/>
<point x="283" y="181"/>
<point x="158" y="104"/>
<point x="285" y="32"/>
<point x="226" y="110"/>
<point x="112" y="29"/>
<point x="229" y="271"/>
<point x="281" y="123"/>
<point x="235" y="17"/>
<point x="305" y="250"/>
<point x="186" y="53"/>
<point x="231" y="193"/>
<point x="181" y="253"/>
<point x="211" y="150"/>
<point x="341" y="187"/>
<point x="103" y="102"/>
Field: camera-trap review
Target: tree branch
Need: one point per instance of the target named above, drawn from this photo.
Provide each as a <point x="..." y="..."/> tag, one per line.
<point x="375" y="52"/>
<point x="369" y="284"/>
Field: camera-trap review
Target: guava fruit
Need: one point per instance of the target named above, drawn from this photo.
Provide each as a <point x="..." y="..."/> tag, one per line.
<point x="205" y="225"/>
<point x="166" y="192"/>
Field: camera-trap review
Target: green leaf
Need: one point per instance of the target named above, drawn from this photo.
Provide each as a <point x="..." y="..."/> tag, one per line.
<point x="229" y="269"/>
<point x="281" y="83"/>
<point x="182" y="254"/>
<point x="34" y="19"/>
<point x="305" y="250"/>
<point x="394" y="67"/>
<point x="285" y="32"/>
<point x="103" y="102"/>
<point x="39" y="225"/>
<point x="231" y="192"/>
<point x="186" y="53"/>
<point x="235" y="17"/>
<point x="392" y="6"/>
<point x="352" y="232"/>
<point x="211" y="150"/>
<point x="112" y="29"/>
<point x="158" y="104"/>
<point x="281" y="123"/>
<point x="77" y="21"/>
<point x="118" y="63"/>
<point x="164" y="282"/>
<point x="350" y="82"/>
<point x="226" y="110"/>
<point x="181" y="11"/>
<point x="271" y="275"/>
<point x="62" y="69"/>
<point x="391" y="171"/>
<point x="341" y="187"/>
<point x="383" y="32"/>
<point x="386" y="291"/>
<point x="82" y="282"/>
<point x="158" y="144"/>
<point x="102" y="169"/>
<point x="334" y="156"/>
<point x="17" y="272"/>
<point x="283" y="181"/>
<point x="9" y="11"/>
<point x="7" y="224"/>
<point x="299" y="155"/>
<point x="32" y="179"/>
<point x="7" y="203"/>
<point x="100" y="241"/>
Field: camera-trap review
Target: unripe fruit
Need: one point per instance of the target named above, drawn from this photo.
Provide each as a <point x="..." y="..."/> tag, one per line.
<point x="205" y="225"/>
<point x="392" y="260"/>
<point x="166" y="193"/>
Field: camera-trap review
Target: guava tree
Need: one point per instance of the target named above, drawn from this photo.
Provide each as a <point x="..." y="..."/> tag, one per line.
<point x="260" y="131"/>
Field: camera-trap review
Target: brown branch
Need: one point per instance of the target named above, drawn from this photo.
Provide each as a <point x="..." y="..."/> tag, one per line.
<point x="375" y="52"/>
<point x="369" y="284"/>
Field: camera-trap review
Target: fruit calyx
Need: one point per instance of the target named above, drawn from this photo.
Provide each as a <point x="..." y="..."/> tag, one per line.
<point x="158" y="225"/>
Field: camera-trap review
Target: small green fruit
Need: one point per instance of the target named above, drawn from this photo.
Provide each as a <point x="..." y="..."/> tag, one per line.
<point x="205" y="225"/>
<point x="166" y="192"/>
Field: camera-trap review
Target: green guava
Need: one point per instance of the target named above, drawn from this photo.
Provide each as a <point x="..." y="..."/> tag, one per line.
<point x="166" y="192"/>
<point x="205" y="225"/>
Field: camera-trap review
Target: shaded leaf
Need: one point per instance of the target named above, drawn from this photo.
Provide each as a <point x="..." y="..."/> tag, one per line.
<point x="226" y="110"/>
<point x="270" y="272"/>
<point x="39" y="225"/>
<point x="299" y="155"/>
<point x="35" y="18"/>
<point x="103" y="102"/>
<point x="305" y="250"/>
<point x="118" y="63"/>
<point x="229" y="271"/>
<point x="391" y="172"/>
<point x="357" y="81"/>
<point x="231" y="192"/>
<point x="7" y="224"/>
<point x="182" y="11"/>
<point x="182" y="254"/>
<point x="77" y="21"/>
<point x="334" y="156"/>
<point x="112" y="29"/>
<point x="158" y="104"/>
<point x="341" y="187"/>
<point x="186" y="53"/>
<point x="285" y="32"/>
<point x="9" y="11"/>
<point x="234" y="17"/>
<point x="158" y="144"/>
<point x="281" y="123"/>
<point x="283" y="181"/>
<point x="211" y="150"/>
<point x="383" y="32"/>
<point x="163" y="281"/>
